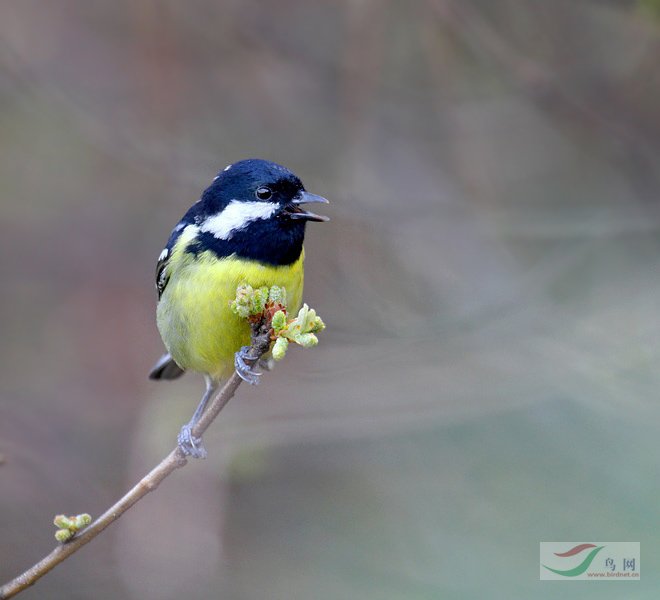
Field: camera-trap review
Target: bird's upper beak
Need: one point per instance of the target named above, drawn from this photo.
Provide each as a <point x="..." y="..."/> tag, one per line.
<point x="293" y="210"/>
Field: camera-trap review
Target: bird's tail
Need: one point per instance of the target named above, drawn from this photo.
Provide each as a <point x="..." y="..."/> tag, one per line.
<point x="166" y="368"/>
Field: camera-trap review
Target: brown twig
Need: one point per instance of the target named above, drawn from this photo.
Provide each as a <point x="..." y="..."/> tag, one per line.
<point x="174" y="460"/>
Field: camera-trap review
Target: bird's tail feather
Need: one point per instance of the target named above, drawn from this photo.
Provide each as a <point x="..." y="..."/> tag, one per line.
<point x="166" y="368"/>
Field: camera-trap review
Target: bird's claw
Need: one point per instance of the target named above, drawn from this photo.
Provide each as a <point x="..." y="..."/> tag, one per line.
<point x="245" y="371"/>
<point x="190" y="445"/>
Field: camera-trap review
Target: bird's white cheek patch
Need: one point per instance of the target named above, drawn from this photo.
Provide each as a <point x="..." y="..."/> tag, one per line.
<point x="236" y="216"/>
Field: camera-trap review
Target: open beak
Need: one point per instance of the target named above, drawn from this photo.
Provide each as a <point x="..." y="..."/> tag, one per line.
<point x="293" y="210"/>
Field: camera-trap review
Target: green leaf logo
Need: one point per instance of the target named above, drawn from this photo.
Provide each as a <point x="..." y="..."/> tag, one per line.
<point x="583" y="566"/>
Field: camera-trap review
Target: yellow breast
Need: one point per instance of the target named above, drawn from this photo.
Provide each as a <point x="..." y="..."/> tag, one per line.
<point x="194" y="317"/>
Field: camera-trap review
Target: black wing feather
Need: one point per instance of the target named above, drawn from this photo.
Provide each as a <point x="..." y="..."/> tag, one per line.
<point x="162" y="272"/>
<point x="162" y="276"/>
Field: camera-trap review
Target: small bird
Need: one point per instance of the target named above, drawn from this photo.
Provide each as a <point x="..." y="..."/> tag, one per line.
<point x="248" y="227"/>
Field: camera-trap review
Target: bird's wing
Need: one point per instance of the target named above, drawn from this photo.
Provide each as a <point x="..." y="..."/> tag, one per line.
<point x="162" y="274"/>
<point x="162" y="270"/>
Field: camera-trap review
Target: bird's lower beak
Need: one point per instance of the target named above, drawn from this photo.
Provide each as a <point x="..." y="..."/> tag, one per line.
<point x="294" y="211"/>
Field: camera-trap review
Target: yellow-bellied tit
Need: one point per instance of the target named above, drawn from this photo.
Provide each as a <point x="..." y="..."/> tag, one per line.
<point x="248" y="227"/>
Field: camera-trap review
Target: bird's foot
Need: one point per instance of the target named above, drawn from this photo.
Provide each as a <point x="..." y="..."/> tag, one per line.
<point x="190" y="445"/>
<point x="245" y="371"/>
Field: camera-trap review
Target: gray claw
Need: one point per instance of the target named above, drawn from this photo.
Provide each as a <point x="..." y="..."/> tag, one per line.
<point x="190" y="445"/>
<point x="245" y="372"/>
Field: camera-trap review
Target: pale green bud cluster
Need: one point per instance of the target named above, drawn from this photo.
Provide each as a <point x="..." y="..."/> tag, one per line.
<point x="277" y="295"/>
<point x="280" y="347"/>
<point x="302" y="330"/>
<point x="68" y="526"/>
<point x="279" y="321"/>
<point x="250" y="302"/>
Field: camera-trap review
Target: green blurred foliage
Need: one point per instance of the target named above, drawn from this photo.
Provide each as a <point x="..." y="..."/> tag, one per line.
<point x="650" y="8"/>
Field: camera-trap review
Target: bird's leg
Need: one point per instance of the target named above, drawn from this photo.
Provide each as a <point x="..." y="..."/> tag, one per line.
<point x="246" y="372"/>
<point x="190" y="445"/>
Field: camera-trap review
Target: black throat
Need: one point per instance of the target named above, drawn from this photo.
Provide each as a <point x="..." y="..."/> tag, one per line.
<point x="274" y="242"/>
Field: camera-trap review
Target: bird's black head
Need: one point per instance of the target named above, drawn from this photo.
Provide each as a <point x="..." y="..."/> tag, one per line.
<point x="253" y="210"/>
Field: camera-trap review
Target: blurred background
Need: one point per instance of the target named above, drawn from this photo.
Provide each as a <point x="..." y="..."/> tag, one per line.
<point x="490" y="280"/>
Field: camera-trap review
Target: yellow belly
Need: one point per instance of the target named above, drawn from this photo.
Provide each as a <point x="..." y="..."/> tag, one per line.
<point x="194" y="319"/>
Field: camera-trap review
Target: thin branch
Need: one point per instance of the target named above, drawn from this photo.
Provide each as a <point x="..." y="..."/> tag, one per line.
<point x="174" y="460"/>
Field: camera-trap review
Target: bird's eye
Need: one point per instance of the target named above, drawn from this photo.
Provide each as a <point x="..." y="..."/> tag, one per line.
<point x="263" y="193"/>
